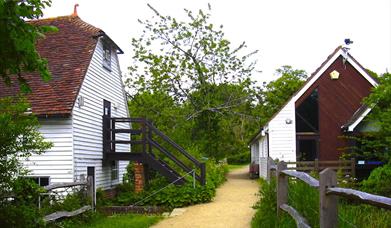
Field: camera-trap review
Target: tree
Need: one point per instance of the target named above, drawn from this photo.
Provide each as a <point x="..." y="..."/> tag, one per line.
<point x="378" y="143"/>
<point x="18" y="53"/>
<point x="276" y="93"/>
<point x="193" y="63"/>
<point x="19" y="138"/>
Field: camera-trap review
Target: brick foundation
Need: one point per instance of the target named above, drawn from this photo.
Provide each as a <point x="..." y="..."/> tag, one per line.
<point x="138" y="177"/>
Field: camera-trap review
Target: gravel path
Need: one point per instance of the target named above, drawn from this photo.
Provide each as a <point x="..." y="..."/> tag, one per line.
<point x="232" y="206"/>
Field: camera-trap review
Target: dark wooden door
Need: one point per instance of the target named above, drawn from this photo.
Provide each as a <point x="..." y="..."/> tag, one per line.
<point x="106" y="127"/>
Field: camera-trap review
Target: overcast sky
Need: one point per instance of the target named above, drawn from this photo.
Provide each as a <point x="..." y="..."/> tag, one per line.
<point x="300" y="33"/>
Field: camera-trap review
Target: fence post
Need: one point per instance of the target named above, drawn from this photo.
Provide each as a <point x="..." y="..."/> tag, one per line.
<point x="353" y="167"/>
<point x="91" y="190"/>
<point x="328" y="203"/>
<point x="203" y="174"/>
<point x="268" y="164"/>
<point x="316" y="165"/>
<point x="282" y="186"/>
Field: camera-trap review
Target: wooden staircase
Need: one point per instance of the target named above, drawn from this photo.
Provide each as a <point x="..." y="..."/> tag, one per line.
<point x="150" y="147"/>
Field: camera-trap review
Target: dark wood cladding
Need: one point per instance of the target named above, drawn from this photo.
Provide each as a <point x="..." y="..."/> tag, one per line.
<point x="338" y="100"/>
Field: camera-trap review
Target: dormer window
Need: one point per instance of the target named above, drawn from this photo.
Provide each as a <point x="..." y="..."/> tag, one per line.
<point x="106" y="56"/>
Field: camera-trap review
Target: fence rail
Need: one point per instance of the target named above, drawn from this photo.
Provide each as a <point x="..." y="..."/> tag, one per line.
<point x="328" y="194"/>
<point x="347" y="166"/>
<point x="90" y="192"/>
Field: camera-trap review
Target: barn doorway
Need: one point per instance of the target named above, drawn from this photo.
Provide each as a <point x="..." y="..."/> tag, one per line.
<point x="307" y="149"/>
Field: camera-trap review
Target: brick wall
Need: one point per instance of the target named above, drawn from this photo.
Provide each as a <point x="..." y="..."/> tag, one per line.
<point x="138" y="177"/>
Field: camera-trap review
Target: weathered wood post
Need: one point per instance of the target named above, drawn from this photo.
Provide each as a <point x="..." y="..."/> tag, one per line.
<point x="316" y="165"/>
<point x="353" y="167"/>
<point x="91" y="191"/>
<point x="203" y="173"/>
<point x="328" y="203"/>
<point x="282" y="187"/>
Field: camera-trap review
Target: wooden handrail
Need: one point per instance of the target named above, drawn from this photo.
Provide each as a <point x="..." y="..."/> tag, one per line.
<point x="364" y="197"/>
<point x="301" y="222"/>
<point x="302" y="176"/>
<point x="64" y="185"/>
<point x="169" y="155"/>
<point x="172" y="143"/>
<point x="146" y="131"/>
<point x="65" y="214"/>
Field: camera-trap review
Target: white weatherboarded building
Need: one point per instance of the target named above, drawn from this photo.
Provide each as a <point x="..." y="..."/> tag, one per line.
<point x="86" y="84"/>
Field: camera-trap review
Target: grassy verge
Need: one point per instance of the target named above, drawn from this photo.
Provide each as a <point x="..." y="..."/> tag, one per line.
<point x="306" y="200"/>
<point x="233" y="167"/>
<point x="122" y="221"/>
<point x="96" y="220"/>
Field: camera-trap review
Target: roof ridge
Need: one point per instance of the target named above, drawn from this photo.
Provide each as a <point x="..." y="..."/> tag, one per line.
<point x="73" y="19"/>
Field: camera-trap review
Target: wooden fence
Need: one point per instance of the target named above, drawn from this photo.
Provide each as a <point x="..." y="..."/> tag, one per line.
<point x="60" y="189"/>
<point x="328" y="194"/>
<point x="346" y="166"/>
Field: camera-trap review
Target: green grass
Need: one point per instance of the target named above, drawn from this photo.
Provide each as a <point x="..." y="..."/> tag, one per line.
<point x="233" y="167"/>
<point x="122" y="221"/>
<point x="306" y="200"/>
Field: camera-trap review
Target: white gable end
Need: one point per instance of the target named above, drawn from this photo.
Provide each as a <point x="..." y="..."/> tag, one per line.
<point x="99" y="84"/>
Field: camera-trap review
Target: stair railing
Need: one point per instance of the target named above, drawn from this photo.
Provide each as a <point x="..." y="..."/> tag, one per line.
<point x="147" y="131"/>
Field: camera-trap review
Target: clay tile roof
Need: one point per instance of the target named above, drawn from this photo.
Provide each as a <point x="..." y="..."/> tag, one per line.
<point x="69" y="52"/>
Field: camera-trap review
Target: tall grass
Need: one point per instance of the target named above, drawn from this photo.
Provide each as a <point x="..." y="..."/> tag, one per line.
<point x="306" y="200"/>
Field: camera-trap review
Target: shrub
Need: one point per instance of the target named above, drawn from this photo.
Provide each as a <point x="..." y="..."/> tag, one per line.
<point x="23" y="210"/>
<point x="174" y="196"/>
<point x="266" y="209"/>
<point x="379" y="181"/>
<point x="239" y="159"/>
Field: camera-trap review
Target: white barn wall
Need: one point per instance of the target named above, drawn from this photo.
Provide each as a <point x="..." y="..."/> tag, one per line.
<point x="254" y="153"/>
<point x="57" y="162"/>
<point x="282" y="136"/>
<point x="99" y="84"/>
<point x="263" y="147"/>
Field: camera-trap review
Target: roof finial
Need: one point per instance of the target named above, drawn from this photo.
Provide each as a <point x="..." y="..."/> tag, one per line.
<point x="75" y="10"/>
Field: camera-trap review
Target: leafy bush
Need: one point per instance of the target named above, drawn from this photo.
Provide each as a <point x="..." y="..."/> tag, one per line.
<point x="174" y="196"/>
<point x="379" y="182"/>
<point x="23" y="210"/>
<point x="266" y="214"/>
<point x="71" y="202"/>
<point x="241" y="158"/>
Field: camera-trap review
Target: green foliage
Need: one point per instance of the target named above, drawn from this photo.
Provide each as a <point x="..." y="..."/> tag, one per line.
<point x="181" y="56"/>
<point x="266" y="209"/>
<point x="18" y="38"/>
<point x="305" y="200"/>
<point x="276" y="93"/>
<point x="299" y="192"/>
<point x="240" y="158"/>
<point x="377" y="143"/>
<point x="192" y="84"/>
<point x="23" y="210"/>
<point x="19" y="138"/>
<point x="72" y="201"/>
<point x="174" y="196"/>
<point x="379" y="181"/>
<point x="120" y="221"/>
<point x="362" y="216"/>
